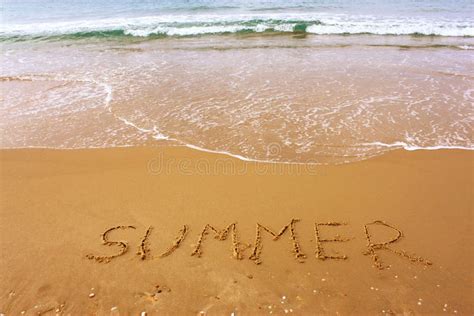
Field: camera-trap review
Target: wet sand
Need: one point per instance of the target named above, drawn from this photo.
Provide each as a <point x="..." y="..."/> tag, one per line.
<point x="317" y="98"/>
<point x="56" y="205"/>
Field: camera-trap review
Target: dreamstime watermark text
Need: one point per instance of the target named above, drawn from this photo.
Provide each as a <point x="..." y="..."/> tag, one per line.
<point x="163" y="164"/>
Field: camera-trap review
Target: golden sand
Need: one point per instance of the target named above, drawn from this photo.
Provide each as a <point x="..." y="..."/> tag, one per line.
<point x="173" y="231"/>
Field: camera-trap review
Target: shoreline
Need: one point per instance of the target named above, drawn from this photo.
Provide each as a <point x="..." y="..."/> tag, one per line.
<point x="319" y="120"/>
<point x="56" y="205"/>
<point x="395" y="146"/>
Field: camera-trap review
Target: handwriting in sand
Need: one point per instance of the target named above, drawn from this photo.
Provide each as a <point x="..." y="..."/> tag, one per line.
<point x="239" y="248"/>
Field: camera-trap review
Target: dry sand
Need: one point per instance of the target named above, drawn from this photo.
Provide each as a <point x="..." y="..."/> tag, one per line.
<point x="55" y="206"/>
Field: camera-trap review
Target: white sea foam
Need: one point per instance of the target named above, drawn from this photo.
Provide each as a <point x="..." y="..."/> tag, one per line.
<point x="394" y="145"/>
<point x="466" y="47"/>
<point x="196" y="24"/>
<point x="411" y="147"/>
<point x="321" y="106"/>
<point x="394" y="28"/>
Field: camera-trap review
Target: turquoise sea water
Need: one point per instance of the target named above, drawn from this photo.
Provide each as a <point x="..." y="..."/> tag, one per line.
<point x="46" y="18"/>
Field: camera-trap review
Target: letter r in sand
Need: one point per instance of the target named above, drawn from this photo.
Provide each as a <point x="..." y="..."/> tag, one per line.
<point x="373" y="247"/>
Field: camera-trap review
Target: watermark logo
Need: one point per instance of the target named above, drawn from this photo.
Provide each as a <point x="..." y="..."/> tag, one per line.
<point x="163" y="164"/>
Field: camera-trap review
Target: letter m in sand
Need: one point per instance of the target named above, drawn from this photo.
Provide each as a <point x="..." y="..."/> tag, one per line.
<point x="258" y="241"/>
<point x="220" y="235"/>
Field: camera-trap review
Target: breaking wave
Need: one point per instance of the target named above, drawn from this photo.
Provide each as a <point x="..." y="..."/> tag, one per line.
<point x="202" y="24"/>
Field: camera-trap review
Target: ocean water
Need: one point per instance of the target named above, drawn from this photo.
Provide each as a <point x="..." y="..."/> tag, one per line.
<point x="40" y="18"/>
<point x="324" y="82"/>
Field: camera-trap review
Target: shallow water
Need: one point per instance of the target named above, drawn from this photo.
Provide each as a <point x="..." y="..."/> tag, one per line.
<point x="312" y="99"/>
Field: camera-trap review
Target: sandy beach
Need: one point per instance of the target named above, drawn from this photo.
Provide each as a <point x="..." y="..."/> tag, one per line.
<point x="230" y="157"/>
<point x="59" y="206"/>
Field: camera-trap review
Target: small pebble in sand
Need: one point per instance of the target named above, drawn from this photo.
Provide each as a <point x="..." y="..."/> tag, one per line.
<point x="372" y="288"/>
<point x="396" y="277"/>
<point x="324" y="280"/>
<point x="419" y="303"/>
<point x="315" y="291"/>
<point x="415" y="277"/>
<point x="91" y="295"/>
<point x="455" y="311"/>
<point x="437" y="285"/>
<point x="286" y="311"/>
<point x="446" y="305"/>
<point x="143" y="314"/>
<point x="283" y="297"/>
<point x="113" y="309"/>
